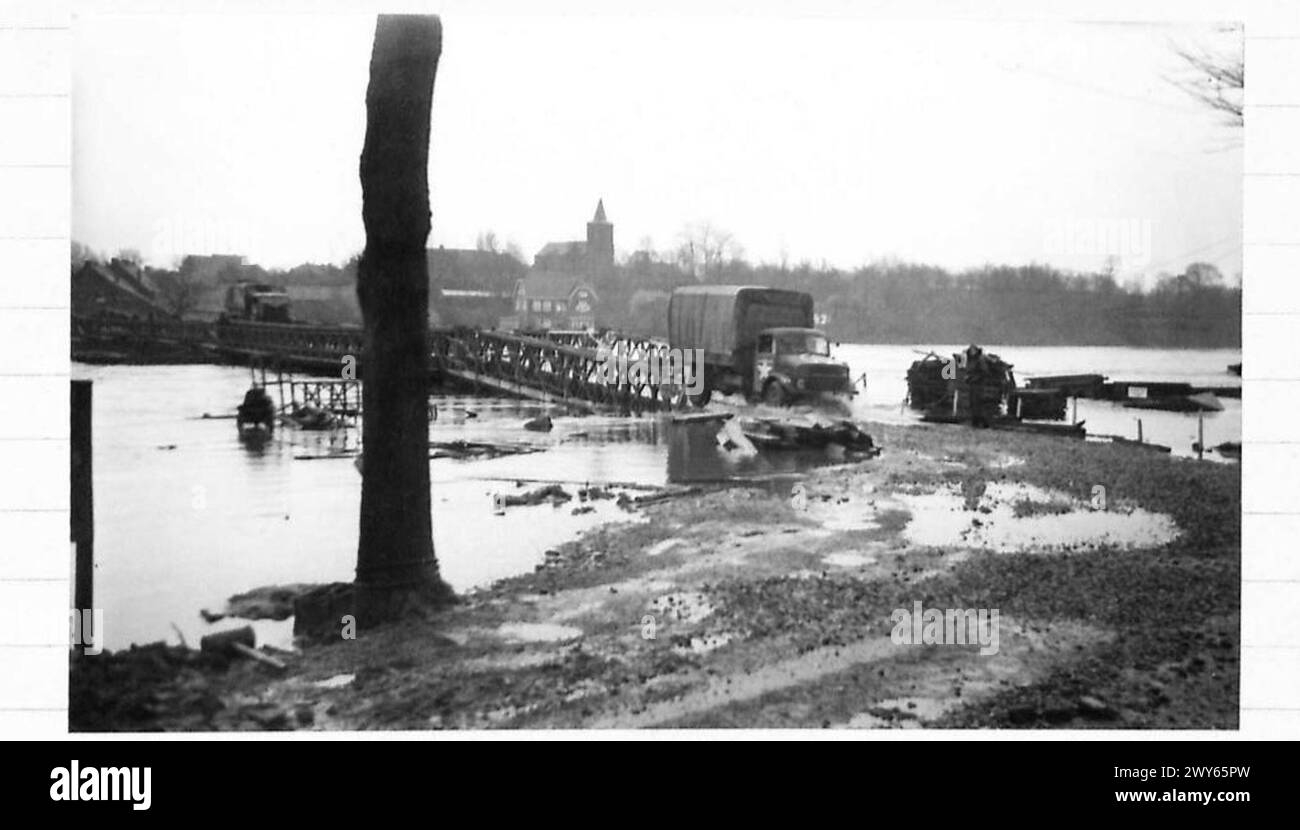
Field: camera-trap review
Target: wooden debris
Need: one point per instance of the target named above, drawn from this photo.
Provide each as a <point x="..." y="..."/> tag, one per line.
<point x="785" y="434"/>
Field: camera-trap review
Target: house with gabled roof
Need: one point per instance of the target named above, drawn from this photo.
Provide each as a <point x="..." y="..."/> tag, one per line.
<point x="549" y="300"/>
<point x="116" y="287"/>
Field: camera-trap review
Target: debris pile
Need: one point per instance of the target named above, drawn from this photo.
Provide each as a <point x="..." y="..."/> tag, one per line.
<point x="788" y="434"/>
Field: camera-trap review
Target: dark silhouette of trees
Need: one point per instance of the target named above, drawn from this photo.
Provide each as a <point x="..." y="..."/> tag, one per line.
<point x="902" y="302"/>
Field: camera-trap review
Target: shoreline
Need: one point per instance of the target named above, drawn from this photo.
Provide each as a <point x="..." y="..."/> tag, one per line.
<point x="771" y="609"/>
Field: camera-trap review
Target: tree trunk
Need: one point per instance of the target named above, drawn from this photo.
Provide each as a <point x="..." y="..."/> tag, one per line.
<point x="397" y="571"/>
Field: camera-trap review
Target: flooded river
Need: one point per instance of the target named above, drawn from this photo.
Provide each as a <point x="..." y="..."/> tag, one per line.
<point x="186" y="515"/>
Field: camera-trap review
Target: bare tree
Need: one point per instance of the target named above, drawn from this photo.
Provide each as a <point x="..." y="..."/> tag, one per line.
<point x="704" y="250"/>
<point x="515" y="251"/>
<point x="487" y="241"/>
<point x="397" y="572"/>
<point x="1216" y="79"/>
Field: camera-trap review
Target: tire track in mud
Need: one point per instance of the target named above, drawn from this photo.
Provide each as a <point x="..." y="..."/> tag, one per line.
<point x="744" y="686"/>
<point x="899" y="685"/>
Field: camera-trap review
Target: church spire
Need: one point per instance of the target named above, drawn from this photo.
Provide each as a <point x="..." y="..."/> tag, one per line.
<point x="600" y="239"/>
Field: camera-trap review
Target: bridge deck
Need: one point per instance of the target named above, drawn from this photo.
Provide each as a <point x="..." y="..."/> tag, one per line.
<point x="568" y="369"/>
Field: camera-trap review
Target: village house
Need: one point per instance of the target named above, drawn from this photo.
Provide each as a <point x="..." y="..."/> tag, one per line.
<point x="558" y="291"/>
<point x="115" y="287"/>
<point x="545" y="300"/>
<point x="471" y="287"/>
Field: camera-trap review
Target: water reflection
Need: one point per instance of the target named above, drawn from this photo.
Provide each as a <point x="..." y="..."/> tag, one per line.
<point x="696" y="454"/>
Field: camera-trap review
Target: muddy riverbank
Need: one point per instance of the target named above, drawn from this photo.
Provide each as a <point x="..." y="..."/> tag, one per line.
<point x="1118" y="607"/>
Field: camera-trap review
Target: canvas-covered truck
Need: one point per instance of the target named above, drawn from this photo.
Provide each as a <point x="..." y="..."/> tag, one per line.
<point x="258" y="302"/>
<point x="756" y="341"/>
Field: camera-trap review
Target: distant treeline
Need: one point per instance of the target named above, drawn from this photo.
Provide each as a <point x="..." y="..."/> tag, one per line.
<point x="883" y="302"/>
<point x="895" y="302"/>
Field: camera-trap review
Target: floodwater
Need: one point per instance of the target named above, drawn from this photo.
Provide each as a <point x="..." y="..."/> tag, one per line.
<point x="186" y="515"/>
<point x="886" y="371"/>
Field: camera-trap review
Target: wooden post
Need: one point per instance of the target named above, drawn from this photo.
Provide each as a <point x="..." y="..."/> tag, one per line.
<point x="1074" y="411"/>
<point x="1200" y="436"/>
<point x="83" y="497"/>
<point x="1139" y="420"/>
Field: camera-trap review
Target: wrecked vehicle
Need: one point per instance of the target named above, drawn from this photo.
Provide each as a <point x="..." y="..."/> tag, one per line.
<point x="977" y="386"/>
<point x="757" y="341"/>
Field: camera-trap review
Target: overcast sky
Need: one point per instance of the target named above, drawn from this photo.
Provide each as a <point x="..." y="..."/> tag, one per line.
<point x="835" y="139"/>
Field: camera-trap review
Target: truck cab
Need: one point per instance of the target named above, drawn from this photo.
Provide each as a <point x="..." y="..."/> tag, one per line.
<point x="258" y="302"/>
<point x="792" y="363"/>
<point x="756" y="341"/>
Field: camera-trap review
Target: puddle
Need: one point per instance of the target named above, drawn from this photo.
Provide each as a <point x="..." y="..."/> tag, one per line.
<point x="805" y="573"/>
<point x="866" y="720"/>
<point x="1006" y="461"/>
<point x="844" y="515"/>
<point x="663" y="547"/>
<point x="585" y="688"/>
<point x="338" y="681"/>
<point x="579" y="610"/>
<point x="686" y="606"/>
<point x="538" y="632"/>
<point x="940" y="519"/>
<point x="847" y="559"/>
<point x="902" y="712"/>
<point x="510" y="662"/>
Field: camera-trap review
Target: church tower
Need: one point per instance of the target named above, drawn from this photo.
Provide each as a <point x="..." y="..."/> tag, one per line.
<point x="600" y="239"/>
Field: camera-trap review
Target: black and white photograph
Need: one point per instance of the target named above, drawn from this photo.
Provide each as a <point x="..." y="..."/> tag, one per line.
<point x="485" y="369"/>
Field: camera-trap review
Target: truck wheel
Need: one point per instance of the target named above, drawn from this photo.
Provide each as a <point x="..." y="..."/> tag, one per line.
<point x="676" y="398"/>
<point x="774" y="394"/>
<point x="701" y="400"/>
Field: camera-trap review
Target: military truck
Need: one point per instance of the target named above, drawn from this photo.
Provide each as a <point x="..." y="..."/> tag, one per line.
<point x="757" y="341"/>
<point x="257" y="301"/>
